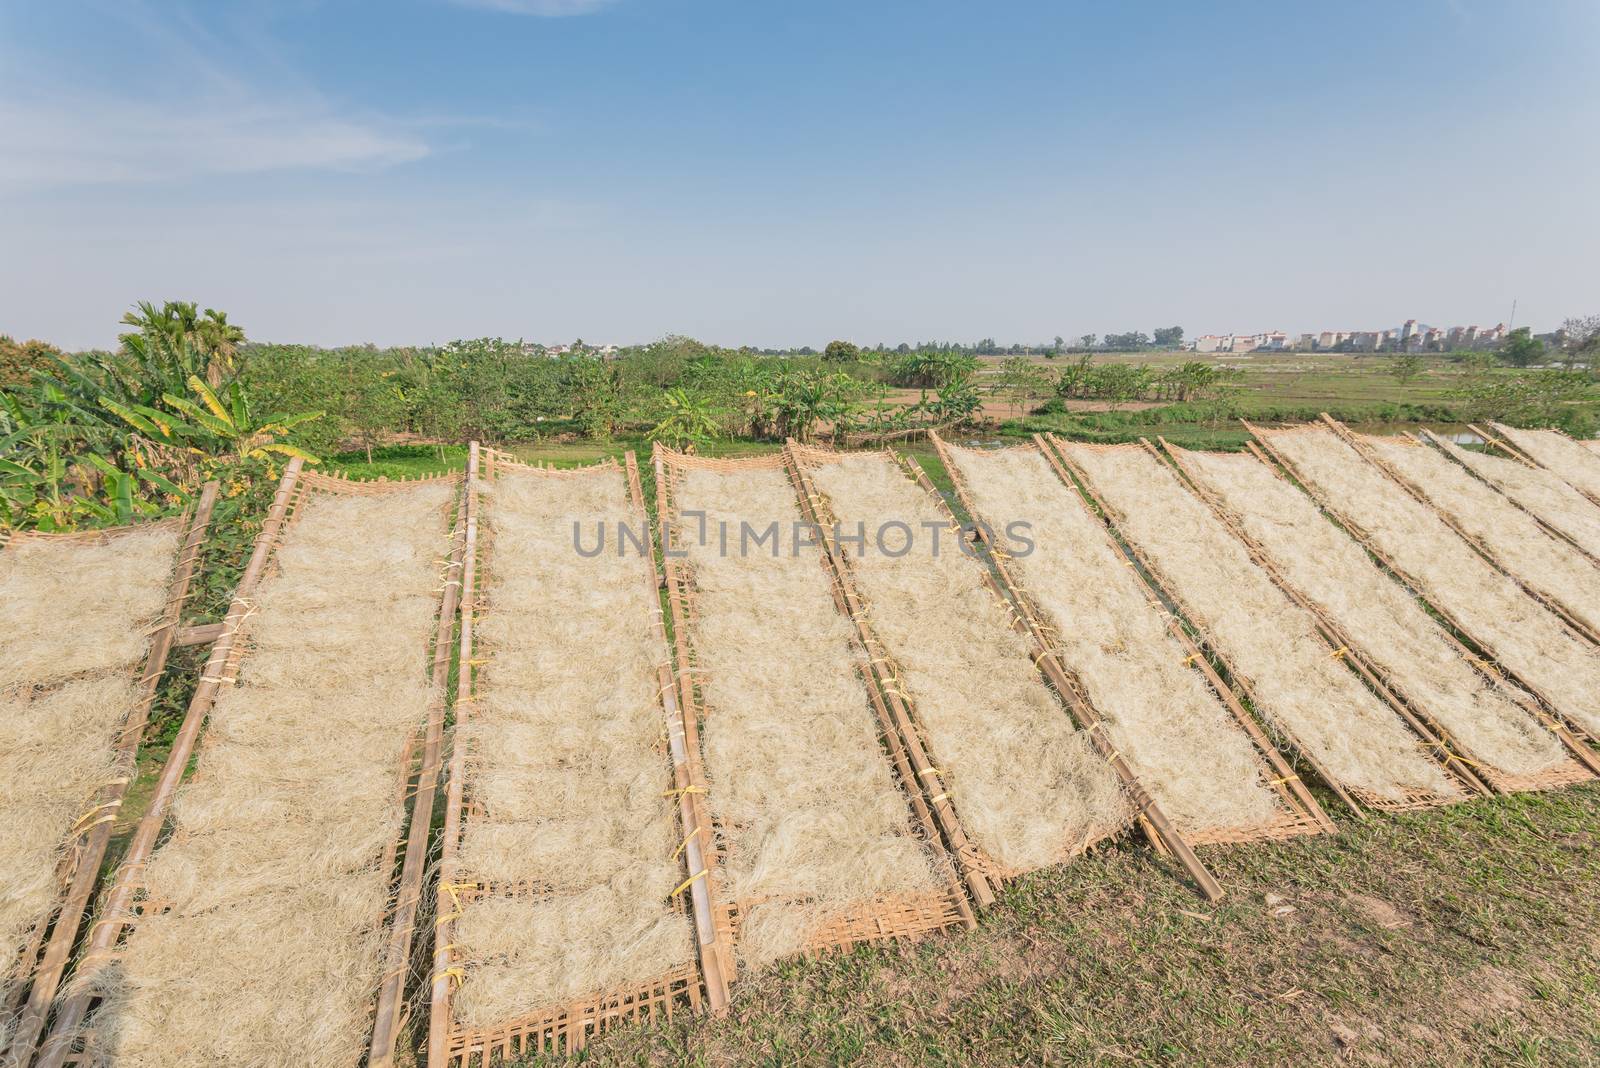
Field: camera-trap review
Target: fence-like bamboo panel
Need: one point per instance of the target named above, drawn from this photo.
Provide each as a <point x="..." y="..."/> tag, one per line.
<point x="43" y="960"/>
<point x="1394" y="668"/>
<point x="126" y="900"/>
<point x="1452" y="579"/>
<point x="884" y="917"/>
<point x="1299" y="813"/>
<point x="1554" y="451"/>
<point x="1354" y="797"/>
<point x="569" y="1026"/>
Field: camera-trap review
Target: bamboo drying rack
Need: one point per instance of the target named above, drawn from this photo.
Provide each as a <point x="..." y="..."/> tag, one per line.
<point x="885" y="917"/>
<point x="1153" y="821"/>
<point x="569" y="1026"/>
<point x="123" y="904"/>
<point x="1572" y="736"/>
<point x="1205" y="654"/>
<point x="1416" y="493"/>
<point x="1501" y="440"/>
<point x="1340" y="646"/>
<point x="1300" y="814"/>
<point x="1457" y="756"/>
<point x="1426" y="436"/>
<point x="90" y="838"/>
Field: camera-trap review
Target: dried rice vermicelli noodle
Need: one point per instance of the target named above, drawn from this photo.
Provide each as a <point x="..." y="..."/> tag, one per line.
<point x="1517" y="630"/>
<point x="1267" y="639"/>
<point x="1541" y="492"/>
<point x="1543" y="563"/>
<point x="1557" y="452"/>
<point x="261" y="940"/>
<point x="1331" y="569"/>
<point x="1030" y="789"/>
<point x="1185" y="746"/>
<point x="564" y="759"/>
<point x="77" y="618"/>
<point x="812" y="820"/>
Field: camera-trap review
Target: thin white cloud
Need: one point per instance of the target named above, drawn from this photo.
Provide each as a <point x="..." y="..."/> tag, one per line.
<point x="542" y="8"/>
<point x="98" y="139"/>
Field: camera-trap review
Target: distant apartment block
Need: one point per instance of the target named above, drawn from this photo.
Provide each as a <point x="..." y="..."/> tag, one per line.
<point x="1271" y="341"/>
<point x="1410" y="336"/>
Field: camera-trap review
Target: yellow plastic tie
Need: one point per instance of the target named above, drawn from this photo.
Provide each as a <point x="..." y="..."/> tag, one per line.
<point x="931" y="771"/>
<point x="1282" y="781"/>
<point x="1191" y="658"/>
<point x="687" y="883"/>
<point x="685" y="844"/>
<point x="1339" y="652"/>
<point x="684" y="790"/>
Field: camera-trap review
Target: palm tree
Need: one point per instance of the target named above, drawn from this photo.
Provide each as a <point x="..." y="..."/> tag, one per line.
<point x="219" y="340"/>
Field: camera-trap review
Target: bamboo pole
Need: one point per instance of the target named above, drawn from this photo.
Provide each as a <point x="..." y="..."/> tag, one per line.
<point x="1553" y="719"/>
<point x="1355" y="655"/>
<point x="1366" y="453"/>
<point x="86" y="870"/>
<point x="444" y="924"/>
<point x="1497" y="441"/>
<point x="695" y="851"/>
<point x="203" y="634"/>
<point x="1197" y="656"/>
<point x="408" y="899"/>
<point x="1433" y="439"/>
<point x="692" y="774"/>
<point x="927" y="775"/>
<point x="1153" y="819"/>
<point x="119" y="902"/>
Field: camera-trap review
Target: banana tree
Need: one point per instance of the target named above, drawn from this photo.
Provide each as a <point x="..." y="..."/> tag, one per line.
<point x="230" y="430"/>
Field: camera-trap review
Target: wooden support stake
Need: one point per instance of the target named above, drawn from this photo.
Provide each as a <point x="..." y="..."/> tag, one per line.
<point x="86" y="871"/>
<point x="119" y="902"/>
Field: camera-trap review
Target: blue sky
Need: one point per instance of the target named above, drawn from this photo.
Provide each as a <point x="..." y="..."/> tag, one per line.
<point x="782" y="173"/>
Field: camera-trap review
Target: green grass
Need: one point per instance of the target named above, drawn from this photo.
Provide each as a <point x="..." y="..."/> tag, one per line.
<point x="1462" y="936"/>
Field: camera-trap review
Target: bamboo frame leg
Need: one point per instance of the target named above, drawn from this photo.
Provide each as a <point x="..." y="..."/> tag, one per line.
<point x="1163" y="835"/>
<point x="1336" y="637"/>
<point x="697" y="830"/>
<point x="444" y="926"/>
<point x="86" y="872"/>
<point x="927" y="775"/>
<point x="120" y="900"/>
<point x="386" y="1020"/>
